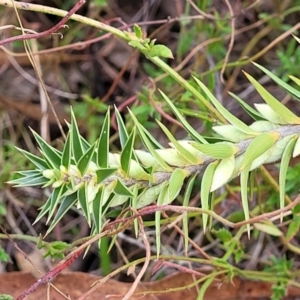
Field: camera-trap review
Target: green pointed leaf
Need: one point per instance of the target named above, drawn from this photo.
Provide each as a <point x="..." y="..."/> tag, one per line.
<point x="66" y="154"/>
<point x="186" y="201"/>
<point x="231" y="133"/>
<point x="102" y="174"/>
<point x="160" y="51"/>
<point x="270" y="114"/>
<point x="123" y="134"/>
<point x="268" y="227"/>
<point x="293" y="229"/>
<point x="97" y="211"/>
<point x="76" y="140"/>
<point x="296" y="38"/>
<point x="54" y="201"/>
<point x="259" y="146"/>
<point x="37" y="161"/>
<point x="160" y="201"/>
<point x="45" y="209"/>
<point x="280" y="82"/>
<point x="29" y="181"/>
<point x="49" y="151"/>
<point x="148" y="144"/>
<point x="134" y="206"/>
<point x="149" y="195"/>
<point x="154" y="141"/>
<point x="118" y="200"/>
<point x="186" y="125"/>
<point x="126" y="155"/>
<point x="30" y="173"/>
<point x="223" y="234"/>
<point x="182" y="151"/>
<point x="285" y="160"/>
<point x="206" y="182"/>
<point x="122" y="190"/>
<point x="278" y="107"/>
<point x="138" y="45"/>
<point x="220" y="150"/>
<point x="103" y="144"/>
<point x="230" y="117"/>
<point x="138" y="31"/>
<point x="295" y="79"/>
<point x="175" y="184"/>
<point x="248" y="109"/>
<point x="296" y="151"/>
<point x="172" y="157"/>
<point x="86" y="158"/>
<point x="223" y="173"/>
<point x="66" y="203"/>
<point x="83" y="201"/>
<point x="244" y="194"/>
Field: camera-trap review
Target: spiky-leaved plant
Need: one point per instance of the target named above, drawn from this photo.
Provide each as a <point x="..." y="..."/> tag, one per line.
<point x="94" y="179"/>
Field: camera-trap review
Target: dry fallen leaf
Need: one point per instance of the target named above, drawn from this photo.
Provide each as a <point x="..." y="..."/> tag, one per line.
<point x="75" y="284"/>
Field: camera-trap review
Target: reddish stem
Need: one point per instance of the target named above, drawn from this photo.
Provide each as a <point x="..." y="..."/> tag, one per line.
<point x="52" y="30"/>
<point x="52" y="274"/>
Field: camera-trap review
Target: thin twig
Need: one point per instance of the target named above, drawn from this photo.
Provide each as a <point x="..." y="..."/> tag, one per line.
<point x="50" y="31"/>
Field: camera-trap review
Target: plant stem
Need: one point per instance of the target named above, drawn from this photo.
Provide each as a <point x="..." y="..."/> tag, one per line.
<point x="121" y="34"/>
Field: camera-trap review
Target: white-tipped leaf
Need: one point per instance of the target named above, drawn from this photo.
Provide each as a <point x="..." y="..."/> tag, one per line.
<point x="231" y="133"/>
<point x="223" y="173"/>
<point x="206" y="182"/>
<point x="270" y="114"/>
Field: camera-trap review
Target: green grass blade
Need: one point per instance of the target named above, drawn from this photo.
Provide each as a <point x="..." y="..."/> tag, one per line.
<point x="186" y="201"/>
<point x="244" y="195"/>
<point x="228" y="116"/>
<point x="280" y="82"/>
<point x="248" y="109"/>
<point x="277" y="106"/>
<point x="160" y="201"/>
<point x="182" y="120"/>
<point x="148" y="144"/>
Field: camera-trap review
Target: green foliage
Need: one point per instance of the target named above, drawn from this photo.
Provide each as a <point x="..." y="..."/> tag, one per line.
<point x="281" y="268"/>
<point x="4" y="257"/>
<point x="95" y="179"/>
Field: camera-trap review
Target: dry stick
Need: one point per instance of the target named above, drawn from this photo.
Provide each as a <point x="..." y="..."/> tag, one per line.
<point x="50" y="31"/>
<point x="146" y="263"/>
<point x="19" y="249"/>
<point x="268" y="215"/>
<point x="197" y="247"/>
<point x="231" y="43"/>
<point x="26" y="37"/>
<point x="65" y="263"/>
<point x="52" y="274"/>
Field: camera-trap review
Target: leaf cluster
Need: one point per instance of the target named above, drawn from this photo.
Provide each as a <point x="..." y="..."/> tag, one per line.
<point x="94" y="179"/>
